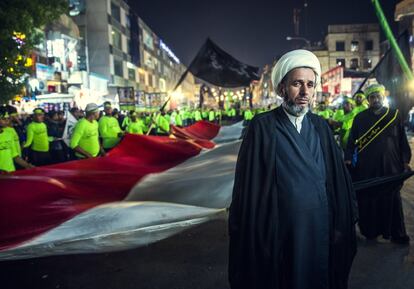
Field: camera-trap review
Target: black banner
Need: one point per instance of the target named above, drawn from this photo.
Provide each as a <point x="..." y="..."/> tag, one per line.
<point x="390" y="74"/>
<point x="214" y="65"/>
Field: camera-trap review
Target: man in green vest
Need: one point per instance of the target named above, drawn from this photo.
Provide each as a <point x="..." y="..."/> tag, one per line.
<point x="136" y="125"/>
<point x="324" y="111"/>
<point x="178" y="119"/>
<point x="8" y="153"/>
<point x="85" y="137"/>
<point x="248" y="116"/>
<point x="211" y="115"/>
<point x="360" y="101"/>
<point x="343" y="124"/>
<point x="197" y="115"/>
<point x="109" y="129"/>
<point x="37" y="139"/>
<point x="163" y="125"/>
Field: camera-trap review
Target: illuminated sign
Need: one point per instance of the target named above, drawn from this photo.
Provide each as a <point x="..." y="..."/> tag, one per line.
<point x="169" y="52"/>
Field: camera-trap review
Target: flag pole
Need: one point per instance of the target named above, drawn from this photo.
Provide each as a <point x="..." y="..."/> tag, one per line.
<point x="183" y="76"/>
<point x="388" y="33"/>
<point x="375" y="68"/>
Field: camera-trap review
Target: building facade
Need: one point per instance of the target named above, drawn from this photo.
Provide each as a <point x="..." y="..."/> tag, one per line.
<point x="139" y="67"/>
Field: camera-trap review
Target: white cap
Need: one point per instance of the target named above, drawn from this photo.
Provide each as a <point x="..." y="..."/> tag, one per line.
<point x="295" y="59"/>
<point x="91" y="107"/>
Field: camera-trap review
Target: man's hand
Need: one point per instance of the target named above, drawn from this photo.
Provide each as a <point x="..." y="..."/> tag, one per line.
<point x="348" y="163"/>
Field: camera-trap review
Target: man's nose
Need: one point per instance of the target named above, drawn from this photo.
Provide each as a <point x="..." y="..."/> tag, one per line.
<point x="304" y="90"/>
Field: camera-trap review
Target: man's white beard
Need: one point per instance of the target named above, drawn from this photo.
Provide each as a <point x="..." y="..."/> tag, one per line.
<point x="294" y="109"/>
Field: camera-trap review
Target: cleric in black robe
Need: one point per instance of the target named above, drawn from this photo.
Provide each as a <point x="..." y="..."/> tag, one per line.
<point x="292" y="218"/>
<point x="378" y="147"/>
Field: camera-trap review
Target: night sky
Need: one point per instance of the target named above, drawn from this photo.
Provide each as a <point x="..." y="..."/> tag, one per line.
<point x="252" y="31"/>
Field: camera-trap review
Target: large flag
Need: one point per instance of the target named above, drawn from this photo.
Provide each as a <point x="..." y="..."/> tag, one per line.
<point x="390" y="74"/>
<point x="147" y="189"/>
<point x="216" y="66"/>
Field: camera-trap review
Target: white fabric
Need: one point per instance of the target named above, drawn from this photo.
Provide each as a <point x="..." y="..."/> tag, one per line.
<point x="295" y="120"/>
<point x="159" y="206"/>
<point x="295" y="59"/>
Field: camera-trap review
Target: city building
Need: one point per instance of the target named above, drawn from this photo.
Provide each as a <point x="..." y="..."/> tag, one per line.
<point x="137" y="65"/>
<point x="349" y="53"/>
<point x="404" y="15"/>
<point x="55" y="69"/>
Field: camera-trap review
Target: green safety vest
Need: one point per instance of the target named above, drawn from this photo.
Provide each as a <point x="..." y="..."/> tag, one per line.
<point x="7" y="151"/>
<point x="37" y="138"/>
<point x="86" y="136"/>
<point x="137" y="127"/>
<point x="109" y="130"/>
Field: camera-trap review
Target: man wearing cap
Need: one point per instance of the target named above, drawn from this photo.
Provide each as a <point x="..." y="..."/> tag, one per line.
<point x="109" y="128"/>
<point x="37" y="139"/>
<point x="378" y="147"/>
<point x="293" y="212"/>
<point x="85" y="137"/>
<point x="8" y="151"/>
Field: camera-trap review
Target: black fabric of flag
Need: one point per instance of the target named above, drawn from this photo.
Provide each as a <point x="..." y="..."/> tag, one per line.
<point x="390" y="74"/>
<point x="214" y="65"/>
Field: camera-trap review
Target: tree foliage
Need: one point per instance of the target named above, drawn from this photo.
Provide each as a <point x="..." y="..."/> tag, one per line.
<point x="20" y="21"/>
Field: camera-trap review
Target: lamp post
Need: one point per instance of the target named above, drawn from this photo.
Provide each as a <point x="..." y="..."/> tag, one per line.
<point x="308" y="43"/>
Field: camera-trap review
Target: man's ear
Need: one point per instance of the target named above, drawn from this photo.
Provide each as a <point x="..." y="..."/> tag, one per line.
<point x="281" y="89"/>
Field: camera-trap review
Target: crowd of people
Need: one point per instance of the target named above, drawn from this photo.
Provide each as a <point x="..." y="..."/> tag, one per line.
<point x="38" y="139"/>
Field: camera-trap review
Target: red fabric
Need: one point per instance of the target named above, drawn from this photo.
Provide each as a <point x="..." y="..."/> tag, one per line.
<point x="201" y="133"/>
<point x="35" y="201"/>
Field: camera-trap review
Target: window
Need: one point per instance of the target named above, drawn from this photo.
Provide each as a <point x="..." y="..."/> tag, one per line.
<point x="354" y="63"/>
<point x="118" y="68"/>
<point x="340" y="46"/>
<point x="367" y="63"/>
<point x="116" y="12"/>
<point x="116" y="39"/>
<point x="129" y="46"/>
<point x="131" y="74"/>
<point x="369" y="45"/>
<point x="340" y="62"/>
<point x="354" y="46"/>
<point x="142" y="78"/>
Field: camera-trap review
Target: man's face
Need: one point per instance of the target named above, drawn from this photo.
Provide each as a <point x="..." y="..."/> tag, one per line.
<point x="39" y="117"/>
<point x="299" y="90"/>
<point x="108" y="110"/>
<point x="347" y="107"/>
<point x="96" y="115"/>
<point x="4" y="122"/>
<point x="359" y="100"/>
<point x="376" y="100"/>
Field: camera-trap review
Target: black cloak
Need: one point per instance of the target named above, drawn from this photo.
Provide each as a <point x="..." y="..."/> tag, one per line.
<point x="255" y="249"/>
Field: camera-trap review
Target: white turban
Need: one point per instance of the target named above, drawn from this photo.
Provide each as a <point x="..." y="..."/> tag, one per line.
<point x="295" y="59"/>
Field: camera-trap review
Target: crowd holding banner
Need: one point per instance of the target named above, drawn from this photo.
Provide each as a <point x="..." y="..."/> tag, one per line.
<point x="47" y="138"/>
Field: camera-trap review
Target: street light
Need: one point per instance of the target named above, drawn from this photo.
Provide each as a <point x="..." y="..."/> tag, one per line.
<point x="308" y="43"/>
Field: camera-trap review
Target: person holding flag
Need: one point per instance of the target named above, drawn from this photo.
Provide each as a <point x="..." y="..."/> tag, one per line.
<point x="109" y="129"/>
<point x="37" y="139"/>
<point x="163" y="125"/>
<point x="378" y="147"/>
<point x="85" y="137"/>
<point x="8" y="152"/>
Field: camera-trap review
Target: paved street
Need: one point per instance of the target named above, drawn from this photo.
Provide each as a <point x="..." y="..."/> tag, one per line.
<point x="198" y="259"/>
